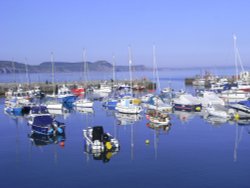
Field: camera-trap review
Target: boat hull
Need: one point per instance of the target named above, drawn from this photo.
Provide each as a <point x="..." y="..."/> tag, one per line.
<point x="189" y="108"/>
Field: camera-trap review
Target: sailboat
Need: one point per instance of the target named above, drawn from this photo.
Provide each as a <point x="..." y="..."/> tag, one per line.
<point x="84" y="102"/>
<point x="53" y="102"/>
<point x="240" y="92"/>
<point x="127" y="104"/>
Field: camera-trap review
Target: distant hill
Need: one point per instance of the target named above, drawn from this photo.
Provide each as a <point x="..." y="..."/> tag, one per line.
<point x="10" y="67"/>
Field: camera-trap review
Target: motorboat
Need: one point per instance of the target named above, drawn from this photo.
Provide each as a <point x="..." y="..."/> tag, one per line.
<point x="110" y="102"/>
<point x="65" y="95"/>
<point x="145" y="98"/>
<point x="209" y="98"/>
<point x="157" y="103"/>
<point x="45" y="124"/>
<point x="12" y="107"/>
<point x="158" y="117"/>
<point x="199" y="82"/>
<point x="104" y="88"/>
<point x="234" y="95"/>
<point x="218" y="111"/>
<point x="241" y="109"/>
<point x="187" y="102"/>
<point x="97" y="140"/>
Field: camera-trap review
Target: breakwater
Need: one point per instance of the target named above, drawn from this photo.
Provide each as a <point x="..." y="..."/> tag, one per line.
<point x="48" y="87"/>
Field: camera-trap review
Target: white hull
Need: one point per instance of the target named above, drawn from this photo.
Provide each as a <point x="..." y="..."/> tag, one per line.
<point x="129" y="110"/>
<point x="83" y="103"/>
<point x="158" y="121"/>
<point x="58" y="106"/>
<point x="217" y="113"/>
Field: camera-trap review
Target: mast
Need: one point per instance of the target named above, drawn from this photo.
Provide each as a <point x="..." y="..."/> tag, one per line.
<point x="156" y="74"/>
<point x="27" y="73"/>
<point x="130" y="69"/>
<point x="235" y="58"/>
<point x="113" y="58"/>
<point x="85" y="64"/>
<point x="14" y="70"/>
<point x="52" y="71"/>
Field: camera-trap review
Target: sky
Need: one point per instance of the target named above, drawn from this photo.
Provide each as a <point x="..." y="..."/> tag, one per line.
<point x="185" y="32"/>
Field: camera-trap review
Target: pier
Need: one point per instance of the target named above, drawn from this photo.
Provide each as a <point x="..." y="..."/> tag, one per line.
<point x="48" y="87"/>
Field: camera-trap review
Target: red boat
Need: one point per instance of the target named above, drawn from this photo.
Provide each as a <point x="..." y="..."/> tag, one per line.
<point x="78" y="91"/>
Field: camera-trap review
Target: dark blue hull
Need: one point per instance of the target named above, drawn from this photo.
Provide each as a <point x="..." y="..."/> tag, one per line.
<point x="47" y="130"/>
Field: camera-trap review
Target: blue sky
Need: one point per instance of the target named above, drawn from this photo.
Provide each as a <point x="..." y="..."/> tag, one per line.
<point x="185" y="32"/>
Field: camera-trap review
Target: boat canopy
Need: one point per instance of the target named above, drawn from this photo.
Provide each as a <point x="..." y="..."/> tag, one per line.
<point x="97" y="133"/>
<point x="43" y="120"/>
<point x="39" y="110"/>
<point x="245" y="103"/>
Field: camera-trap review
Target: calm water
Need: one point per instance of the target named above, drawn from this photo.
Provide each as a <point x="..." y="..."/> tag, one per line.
<point x="190" y="153"/>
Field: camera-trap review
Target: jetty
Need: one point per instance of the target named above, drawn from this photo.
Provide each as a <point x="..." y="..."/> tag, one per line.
<point x="48" y="87"/>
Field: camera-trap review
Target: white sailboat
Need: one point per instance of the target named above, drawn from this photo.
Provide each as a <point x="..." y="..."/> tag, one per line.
<point x="84" y="102"/>
<point x="53" y="104"/>
<point x="126" y="104"/>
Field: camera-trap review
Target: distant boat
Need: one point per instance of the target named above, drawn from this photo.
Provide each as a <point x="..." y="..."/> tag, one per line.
<point x="84" y="103"/>
<point x="65" y="95"/>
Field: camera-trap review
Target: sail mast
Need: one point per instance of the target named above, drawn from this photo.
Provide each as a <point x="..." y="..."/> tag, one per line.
<point x="130" y="69"/>
<point x="235" y="59"/>
<point x="85" y="64"/>
<point x="52" y="71"/>
<point x="156" y="74"/>
<point x="113" y="58"/>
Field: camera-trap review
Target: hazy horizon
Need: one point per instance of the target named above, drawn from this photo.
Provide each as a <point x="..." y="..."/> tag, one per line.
<point x="186" y="33"/>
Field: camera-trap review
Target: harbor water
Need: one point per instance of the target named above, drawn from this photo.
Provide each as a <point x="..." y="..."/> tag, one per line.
<point x="193" y="151"/>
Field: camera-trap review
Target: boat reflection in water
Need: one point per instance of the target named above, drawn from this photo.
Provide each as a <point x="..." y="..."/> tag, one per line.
<point x="103" y="156"/>
<point x="213" y="120"/>
<point x="43" y="140"/>
<point x="84" y="110"/>
<point x="127" y="119"/>
<point x="158" y="127"/>
<point x="158" y="130"/>
<point x="185" y="116"/>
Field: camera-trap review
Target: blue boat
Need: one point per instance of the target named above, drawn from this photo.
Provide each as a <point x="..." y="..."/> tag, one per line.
<point x="110" y="103"/>
<point x="46" y="124"/>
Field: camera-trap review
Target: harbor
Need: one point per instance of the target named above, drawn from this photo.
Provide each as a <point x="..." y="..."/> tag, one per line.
<point x="126" y="94"/>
